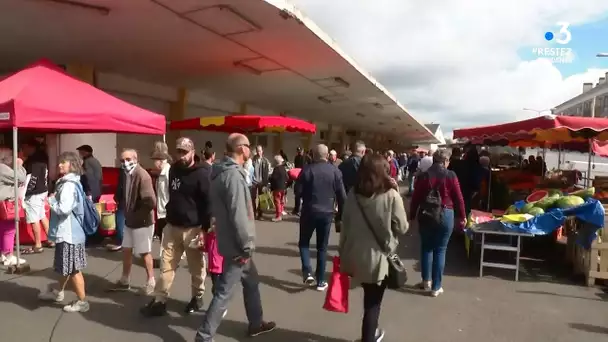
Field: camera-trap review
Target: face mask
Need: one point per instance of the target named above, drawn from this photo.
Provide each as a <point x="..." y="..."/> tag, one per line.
<point x="128" y="165"/>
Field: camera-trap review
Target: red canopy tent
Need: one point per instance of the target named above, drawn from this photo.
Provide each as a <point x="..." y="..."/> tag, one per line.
<point x="43" y="98"/>
<point x="581" y="134"/>
<point x="245" y="124"/>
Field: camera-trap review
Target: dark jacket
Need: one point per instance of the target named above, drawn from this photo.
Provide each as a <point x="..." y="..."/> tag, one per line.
<point x="189" y="196"/>
<point x="139" y="199"/>
<point x="36" y="166"/>
<point x="92" y="179"/>
<point x="300" y="160"/>
<point x="263" y="165"/>
<point x="451" y="196"/>
<point x="349" y="169"/>
<point x="320" y="186"/>
<point x="279" y="178"/>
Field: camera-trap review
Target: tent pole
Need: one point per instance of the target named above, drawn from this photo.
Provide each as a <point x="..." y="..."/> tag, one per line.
<point x="16" y="188"/>
<point x="559" y="157"/>
<point x="588" y="180"/>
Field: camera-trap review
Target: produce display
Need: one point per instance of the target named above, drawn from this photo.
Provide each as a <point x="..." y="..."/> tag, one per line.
<point x="540" y="201"/>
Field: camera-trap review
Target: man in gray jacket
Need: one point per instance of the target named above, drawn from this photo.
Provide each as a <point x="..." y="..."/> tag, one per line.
<point x="235" y="229"/>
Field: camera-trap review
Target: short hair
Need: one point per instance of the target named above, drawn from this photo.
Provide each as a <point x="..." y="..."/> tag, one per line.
<point x="373" y="176"/>
<point x="484" y="161"/>
<point x="234" y="141"/>
<point x="130" y="150"/>
<point x="85" y="148"/>
<point x="208" y="153"/>
<point x="320" y="152"/>
<point x="440" y="156"/>
<point x="333" y="152"/>
<point x="278" y="159"/>
<point x="6" y="156"/>
<point x="359" y="147"/>
<point x="74" y="160"/>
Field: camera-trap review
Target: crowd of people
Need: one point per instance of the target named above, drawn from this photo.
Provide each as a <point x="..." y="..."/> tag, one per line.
<point x="358" y="192"/>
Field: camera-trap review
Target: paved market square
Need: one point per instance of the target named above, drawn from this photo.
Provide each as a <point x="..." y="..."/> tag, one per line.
<point x="545" y="305"/>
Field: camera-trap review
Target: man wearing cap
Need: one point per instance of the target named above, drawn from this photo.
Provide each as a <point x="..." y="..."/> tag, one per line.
<point x="92" y="180"/>
<point x="188" y="217"/>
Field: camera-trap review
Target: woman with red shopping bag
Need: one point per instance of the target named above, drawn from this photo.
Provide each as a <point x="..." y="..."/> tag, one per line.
<point x="373" y="215"/>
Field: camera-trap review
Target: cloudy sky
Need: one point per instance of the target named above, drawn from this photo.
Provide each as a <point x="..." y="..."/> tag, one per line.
<point x="462" y="65"/>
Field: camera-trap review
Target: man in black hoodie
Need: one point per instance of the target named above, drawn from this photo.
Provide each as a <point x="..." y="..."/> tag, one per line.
<point x="36" y="166"/>
<point x="188" y="217"/>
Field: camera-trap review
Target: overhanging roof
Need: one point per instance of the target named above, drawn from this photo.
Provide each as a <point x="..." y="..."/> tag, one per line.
<point x="267" y="55"/>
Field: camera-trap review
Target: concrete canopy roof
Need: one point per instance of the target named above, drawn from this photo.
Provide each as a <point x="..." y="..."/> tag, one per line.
<point x="267" y="55"/>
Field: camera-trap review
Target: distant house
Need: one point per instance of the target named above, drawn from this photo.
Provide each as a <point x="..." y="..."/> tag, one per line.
<point x="438" y="133"/>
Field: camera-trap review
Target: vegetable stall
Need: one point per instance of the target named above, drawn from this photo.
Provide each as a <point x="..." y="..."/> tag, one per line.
<point x="533" y="203"/>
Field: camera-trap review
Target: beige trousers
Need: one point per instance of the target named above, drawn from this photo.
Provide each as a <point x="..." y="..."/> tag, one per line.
<point x="175" y="243"/>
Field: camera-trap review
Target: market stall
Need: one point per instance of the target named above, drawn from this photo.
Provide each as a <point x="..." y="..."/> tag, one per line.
<point x="544" y="204"/>
<point x="42" y="98"/>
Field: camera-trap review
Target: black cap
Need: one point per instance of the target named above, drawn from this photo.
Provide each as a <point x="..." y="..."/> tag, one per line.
<point x="85" y="148"/>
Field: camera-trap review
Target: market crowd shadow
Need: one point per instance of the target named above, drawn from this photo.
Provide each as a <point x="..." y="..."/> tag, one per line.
<point x="236" y="330"/>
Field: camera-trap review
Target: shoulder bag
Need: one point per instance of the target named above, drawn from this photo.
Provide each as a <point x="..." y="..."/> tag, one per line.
<point x="397" y="274"/>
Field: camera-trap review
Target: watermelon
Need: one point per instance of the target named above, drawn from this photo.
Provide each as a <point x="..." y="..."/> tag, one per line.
<point x="510" y="210"/>
<point x="537" y="196"/>
<point x="555" y="192"/>
<point x="536" y="211"/>
<point x="526" y="208"/>
<point x="547" y="203"/>
<point x="585" y="193"/>
<point x="569" y="202"/>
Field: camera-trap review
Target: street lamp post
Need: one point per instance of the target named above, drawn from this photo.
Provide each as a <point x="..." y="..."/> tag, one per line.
<point x="539" y="112"/>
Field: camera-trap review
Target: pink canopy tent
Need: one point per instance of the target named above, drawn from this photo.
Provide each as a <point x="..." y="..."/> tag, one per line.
<point x="43" y="98"/>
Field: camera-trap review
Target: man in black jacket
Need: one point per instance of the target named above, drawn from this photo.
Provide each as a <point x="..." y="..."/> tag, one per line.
<point x="320" y="185"/>
<point x="36" y="166"/>
<point x="188" y="217"/>
<point x="92" y="180"/>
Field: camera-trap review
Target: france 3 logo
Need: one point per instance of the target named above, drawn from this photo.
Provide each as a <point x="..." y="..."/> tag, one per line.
<point x="559" y="53"/>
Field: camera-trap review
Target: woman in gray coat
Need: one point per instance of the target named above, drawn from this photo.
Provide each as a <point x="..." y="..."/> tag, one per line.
<point x="375" y="194"/>
<point x="7" y="192"/>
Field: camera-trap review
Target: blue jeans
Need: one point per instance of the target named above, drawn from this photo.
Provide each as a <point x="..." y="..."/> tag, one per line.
<point x="410" y="180"/>
<point x="434" y="243"/>
<point x="309" y="223"/>
<point x="120" y="225"/>
<point x="234" y="273"/>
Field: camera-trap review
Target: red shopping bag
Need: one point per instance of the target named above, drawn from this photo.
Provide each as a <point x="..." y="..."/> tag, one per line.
<point x="336" y="299"/>
<point x="7" y="210"/>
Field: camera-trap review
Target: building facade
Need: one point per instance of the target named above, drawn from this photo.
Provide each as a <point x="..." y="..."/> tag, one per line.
<point x="592" y="102"/>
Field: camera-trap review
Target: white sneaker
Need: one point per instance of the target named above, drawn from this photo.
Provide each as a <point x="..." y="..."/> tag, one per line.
<point x="2" y="258"/>
<point x="284" y="213"/>
<point x="77" y="306"/>
<point x="424" y="285"/>
<point x="437" y="293"/>
<point x="149" y="288"/>
<point x="12" y="261"/>
<point x="322" y="287"/>
<point x="52" y="295"/>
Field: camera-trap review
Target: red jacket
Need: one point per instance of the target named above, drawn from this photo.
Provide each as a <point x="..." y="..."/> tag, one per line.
<point x="451" y="196"/>
<point x="394" y="171"/>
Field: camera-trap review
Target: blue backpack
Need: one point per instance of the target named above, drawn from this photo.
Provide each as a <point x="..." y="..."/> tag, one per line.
<point x="91" y="220"/>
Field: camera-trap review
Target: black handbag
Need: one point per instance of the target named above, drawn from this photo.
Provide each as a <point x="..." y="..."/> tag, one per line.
<point x="397" y="274"/>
